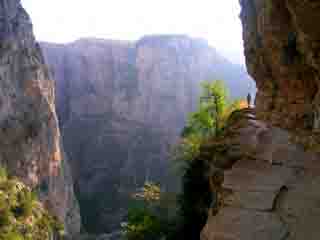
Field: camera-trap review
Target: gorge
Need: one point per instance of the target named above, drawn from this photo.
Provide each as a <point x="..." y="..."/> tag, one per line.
<point x="122" y="105"/>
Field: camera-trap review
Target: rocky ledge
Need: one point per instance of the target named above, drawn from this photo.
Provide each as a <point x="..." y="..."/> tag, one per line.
<point x="266" y="185"/>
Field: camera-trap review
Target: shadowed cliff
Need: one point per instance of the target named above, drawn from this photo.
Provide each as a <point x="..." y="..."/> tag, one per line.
<point x="30" y="145"/>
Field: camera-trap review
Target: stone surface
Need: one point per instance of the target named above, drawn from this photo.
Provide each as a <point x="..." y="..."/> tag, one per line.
<point x="282" y="53"/>
<point x="236" y="224"/>
<point x="281" y="43"/>
<point x="30" y="146"/>
<point x="269" y="191"/>
<point x="121" y="105"/>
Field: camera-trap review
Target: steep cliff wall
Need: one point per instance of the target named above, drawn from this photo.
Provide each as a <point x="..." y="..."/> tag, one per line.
<point x="30" y="145"/>
<point x="282" y="53"/>
<point x="266" y="177"/>
<point x="155" y="80"/>
<point x="121" y="105"/>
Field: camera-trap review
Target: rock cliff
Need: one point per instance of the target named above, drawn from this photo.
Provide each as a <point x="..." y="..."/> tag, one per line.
<point x="30" y="146"/>
<point x="282" y="53"/>
<point x="121" y="105"/>
<point x="154" y="80"/>
<point x="265" y="169"/>
<point x="264" y="181"/>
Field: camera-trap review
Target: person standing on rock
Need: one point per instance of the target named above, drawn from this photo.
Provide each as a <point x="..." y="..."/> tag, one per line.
<point x="249" y="100"/>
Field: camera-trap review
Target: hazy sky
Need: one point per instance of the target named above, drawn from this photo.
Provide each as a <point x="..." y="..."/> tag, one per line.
<point x="67" y="20"/>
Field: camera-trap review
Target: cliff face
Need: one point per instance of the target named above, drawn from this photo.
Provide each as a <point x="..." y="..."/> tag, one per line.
<point x="121" y="104"/>
<point x="282" y="52"/>
<point x="30" y="145"/>
<point x="266" y="183"/>
<point x="137" y="80"/>
<point x="266" y="178"/>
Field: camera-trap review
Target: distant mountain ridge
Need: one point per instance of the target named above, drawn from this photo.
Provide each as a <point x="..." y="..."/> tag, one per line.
<point x="122" y="104"/>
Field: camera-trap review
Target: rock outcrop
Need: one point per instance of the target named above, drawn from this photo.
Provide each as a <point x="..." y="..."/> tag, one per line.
<point x="30" y="146"/>
<point x="266" y="184"/>
<point x="282" y="53"/>
<point x="267" y="178"/>
<point x="121" y="105"/>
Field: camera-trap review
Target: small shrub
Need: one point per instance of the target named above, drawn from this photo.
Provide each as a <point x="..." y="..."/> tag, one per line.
<point x="5" y="217"/>
<point x="11" y="236"/>
<point x="142" y="225"/>
<point x="21" y="217"/>
<point x="3" y="174"/>
<point x="26" y="201"/>
<point x="151" y="215"/>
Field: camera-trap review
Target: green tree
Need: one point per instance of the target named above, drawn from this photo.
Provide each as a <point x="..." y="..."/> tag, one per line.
<point x="214" y="102"/>
<point x="213" y="111"/>
<point x="209" y="121"/>
<point x="152" y="214"/>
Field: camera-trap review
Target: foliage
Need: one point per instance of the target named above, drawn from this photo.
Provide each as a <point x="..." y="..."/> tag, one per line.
<point x="24" y="208"/>
<point x="13" y="236"/>
<point x="142" y="224"/>
<point x="22" y="217"/>
<point x="3" y="174"/>
<point x="184" y="152"/>
<point x="149" y="193"/>
<point x="213" y="111"/>
<point x="209" y="121"/>
<point x="151" y="215"/>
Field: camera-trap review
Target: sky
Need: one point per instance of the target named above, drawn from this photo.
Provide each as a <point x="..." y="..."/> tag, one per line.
<point x="217" y="21"/>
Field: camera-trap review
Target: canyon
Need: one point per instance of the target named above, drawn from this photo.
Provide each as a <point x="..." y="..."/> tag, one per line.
<point x="122" y="106"/>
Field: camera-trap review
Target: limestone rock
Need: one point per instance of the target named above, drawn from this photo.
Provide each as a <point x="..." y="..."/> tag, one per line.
<point x="282" y="53"/>
<point x="270" y="190"/>
<point x="30" y="145"/>
<point x="274" y="175"/>
<point x="235" y="224"/>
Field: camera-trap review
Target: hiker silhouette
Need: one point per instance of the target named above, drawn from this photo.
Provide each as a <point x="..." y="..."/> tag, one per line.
<point x="249" y="99"/>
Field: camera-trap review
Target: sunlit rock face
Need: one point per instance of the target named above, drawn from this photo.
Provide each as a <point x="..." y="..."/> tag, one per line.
<point x="282" y="53"/>
<point x="30" y="145"/>
<point x="121" y="105"/>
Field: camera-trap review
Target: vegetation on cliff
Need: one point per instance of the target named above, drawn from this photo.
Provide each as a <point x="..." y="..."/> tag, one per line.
<point x="189" y="215"/>
<point x="152" y="215"/>
<point x="209" y="121"/>
<point x="22" y="217"/>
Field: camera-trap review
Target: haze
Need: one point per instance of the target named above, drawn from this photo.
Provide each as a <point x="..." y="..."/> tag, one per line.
<point x="64" y="21"/>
